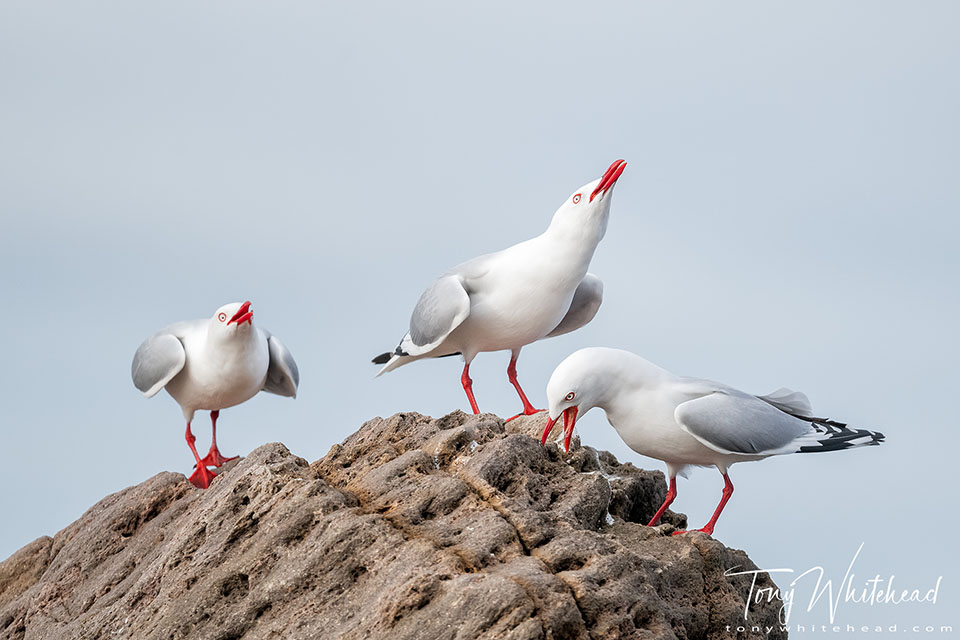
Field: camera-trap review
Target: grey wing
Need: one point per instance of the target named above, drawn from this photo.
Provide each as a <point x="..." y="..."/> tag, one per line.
<point x="734" y="422"/>
<point x="585" y="304"/>
<point x="156" y="362"/>
<point x="283" y="376"/>
<point x="440" y="310"/>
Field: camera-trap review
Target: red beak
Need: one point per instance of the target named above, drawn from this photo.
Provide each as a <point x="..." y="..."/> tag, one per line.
<point x="242" y="315"/>
<point x="609" y="178"/>
<point x="569" y="421"/>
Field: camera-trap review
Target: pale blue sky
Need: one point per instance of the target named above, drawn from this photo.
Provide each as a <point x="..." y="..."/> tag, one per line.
<point x="788" y="218"/>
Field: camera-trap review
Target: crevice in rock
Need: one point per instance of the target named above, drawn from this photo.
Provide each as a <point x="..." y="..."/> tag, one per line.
<point x="576" y="601"/>
<point x="503" y="511"/>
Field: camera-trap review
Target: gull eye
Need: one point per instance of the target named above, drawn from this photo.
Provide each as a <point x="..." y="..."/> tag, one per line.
<point x="223" y="317"/>
<point x="576" y="198"/>
<point x="570" y="396"/>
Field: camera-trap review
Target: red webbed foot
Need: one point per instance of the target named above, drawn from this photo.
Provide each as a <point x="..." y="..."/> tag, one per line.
<point x="202" y="477"/>
<point x="527" y="411"/>
<point x="215" y="459"/>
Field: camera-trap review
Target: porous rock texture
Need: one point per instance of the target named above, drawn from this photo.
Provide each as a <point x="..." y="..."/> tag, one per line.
<point x="460" y="527"/>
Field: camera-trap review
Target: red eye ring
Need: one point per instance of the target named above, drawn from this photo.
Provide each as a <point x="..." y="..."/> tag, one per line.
<point x="576" y="198"/>
<point x="570" y="396"/>
<point x="222" y="317"/>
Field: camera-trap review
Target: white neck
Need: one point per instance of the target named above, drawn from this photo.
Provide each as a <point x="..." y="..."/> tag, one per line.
<point x="228" y="341"/>
<point x="578" y="234"/>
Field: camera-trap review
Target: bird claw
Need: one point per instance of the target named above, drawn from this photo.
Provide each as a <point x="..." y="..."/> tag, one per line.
<point x="709" y="532"/>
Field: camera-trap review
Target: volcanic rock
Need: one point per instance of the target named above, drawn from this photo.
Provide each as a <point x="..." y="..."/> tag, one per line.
<point x="459" y="527"/>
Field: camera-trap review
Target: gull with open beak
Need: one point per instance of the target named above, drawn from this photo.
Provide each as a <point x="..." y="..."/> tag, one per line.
<point x="689" y="421"/>
<point x="506" y="300"/>
<point x="212" y="364"/>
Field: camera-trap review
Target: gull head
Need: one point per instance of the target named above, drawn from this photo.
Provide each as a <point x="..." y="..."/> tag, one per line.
<point x="591" y="202"/>
<point x="232" y="319"/>
<point x="571" y="392"/>
<point x="587" y="378"/>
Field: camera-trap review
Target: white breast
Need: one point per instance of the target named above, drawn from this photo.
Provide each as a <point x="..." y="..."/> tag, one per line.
<point x="523" y="297"/>
<point x="221" y="377"/>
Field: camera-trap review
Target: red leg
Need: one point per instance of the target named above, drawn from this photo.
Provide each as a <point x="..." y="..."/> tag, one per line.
<point x="671" y="494"/>
<point x="727" y="492"/>
<point x="528" y="409"/>
<point x="201" y="476"/>
<point x="214" y="459"/>
<point x="468" y="387"/>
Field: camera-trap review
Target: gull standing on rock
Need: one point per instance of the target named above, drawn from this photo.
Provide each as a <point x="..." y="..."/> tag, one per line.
<point x="689" y="421"/>
<point x="211" y="365"/>
<point x="506" y="300"/>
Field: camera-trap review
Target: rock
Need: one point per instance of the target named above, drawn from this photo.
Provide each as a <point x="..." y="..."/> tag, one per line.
<point x="24" y="568"/>
<point x="412" y="528"/>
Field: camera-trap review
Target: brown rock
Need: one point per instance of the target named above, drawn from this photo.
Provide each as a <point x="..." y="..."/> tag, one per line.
<point x="455" y="528"/>
<point x="24" y="568"/>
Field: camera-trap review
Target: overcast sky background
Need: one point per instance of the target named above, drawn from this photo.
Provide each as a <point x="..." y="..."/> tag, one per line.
<point x="789" y="217"/>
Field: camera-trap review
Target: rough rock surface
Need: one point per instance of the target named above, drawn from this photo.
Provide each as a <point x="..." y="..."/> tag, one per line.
<point x="456" y="528"/>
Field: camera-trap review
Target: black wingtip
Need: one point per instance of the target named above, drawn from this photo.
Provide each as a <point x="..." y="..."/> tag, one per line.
<point x="383" y="358"/>
<point x="837" y="436"/>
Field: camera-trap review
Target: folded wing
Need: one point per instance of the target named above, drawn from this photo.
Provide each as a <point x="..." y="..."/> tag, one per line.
<point x="584" y="306"/>
<point x="733" y="422"/>
<point x="729" y="421"/>
<point x="440" y="310"/>
<point x="283" y="375"/>
<point x="156" y="362"/>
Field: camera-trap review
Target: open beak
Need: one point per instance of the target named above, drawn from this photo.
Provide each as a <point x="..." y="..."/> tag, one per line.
<point x="609" y="178"/>
<point x="242" y="315"/>
<point x="569" y="422"/>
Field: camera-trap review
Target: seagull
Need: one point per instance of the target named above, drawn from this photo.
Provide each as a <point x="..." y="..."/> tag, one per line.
<point x="537" y="289"/>
<point x="212" y="364"/>
<point x="689" y="421"/>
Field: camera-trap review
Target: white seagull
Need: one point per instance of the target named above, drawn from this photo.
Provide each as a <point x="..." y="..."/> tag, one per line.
<point x="689" y="421"/>
<point x="211" y="365"/>
<point x="506" y="300"/>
